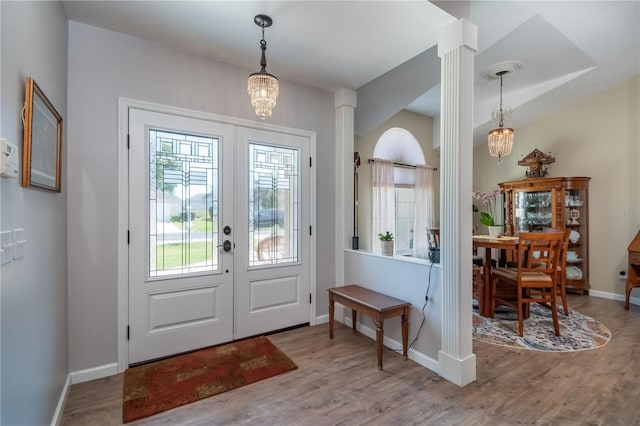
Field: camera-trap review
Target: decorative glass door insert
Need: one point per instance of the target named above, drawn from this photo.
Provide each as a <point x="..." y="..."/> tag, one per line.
<point x="273" y="205"/>
<point x="183" y="203"/>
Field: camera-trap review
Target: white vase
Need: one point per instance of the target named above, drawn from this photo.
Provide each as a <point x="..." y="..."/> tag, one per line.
<point x="495" y="231"/>
<point x="386" y="248"/>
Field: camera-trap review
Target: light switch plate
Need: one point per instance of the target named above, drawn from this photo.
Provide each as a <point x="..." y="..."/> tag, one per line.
<point x="18" y="243"/>
<point x="6" y="247"/>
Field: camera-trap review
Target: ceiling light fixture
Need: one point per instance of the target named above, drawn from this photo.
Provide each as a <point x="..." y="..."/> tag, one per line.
<point x="262" y="86"/>
<point x="501" y="138"/>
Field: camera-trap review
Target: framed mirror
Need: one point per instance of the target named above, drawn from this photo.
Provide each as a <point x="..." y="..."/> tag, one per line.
<point x="42" y="143"/>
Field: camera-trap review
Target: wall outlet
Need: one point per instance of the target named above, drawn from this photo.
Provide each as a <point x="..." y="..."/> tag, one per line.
<point x="623" y="275"/>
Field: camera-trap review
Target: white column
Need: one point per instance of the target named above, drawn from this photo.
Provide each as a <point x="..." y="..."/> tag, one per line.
<point x="345" y="104"/>
<point x="456" y="46"/>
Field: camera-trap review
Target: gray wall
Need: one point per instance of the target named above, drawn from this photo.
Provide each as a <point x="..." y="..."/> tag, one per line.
<point x="34" y="288"/>
<point x="105" y="65"/>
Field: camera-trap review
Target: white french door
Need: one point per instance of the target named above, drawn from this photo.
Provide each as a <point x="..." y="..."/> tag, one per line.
<point x="180" y="200"/>
<point x="219" y="245"/>
<point x="273" y="276"/>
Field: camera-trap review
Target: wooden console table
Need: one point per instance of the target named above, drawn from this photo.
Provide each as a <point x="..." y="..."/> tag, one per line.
<point x="377" y="305"/>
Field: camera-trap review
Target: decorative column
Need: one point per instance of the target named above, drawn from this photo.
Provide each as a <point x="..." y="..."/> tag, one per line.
<point x="457" y="43"/>
<point x="345" y="104"/>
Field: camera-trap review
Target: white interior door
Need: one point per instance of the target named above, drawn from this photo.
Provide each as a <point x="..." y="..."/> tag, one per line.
<point x="272" y="258"/>
<point x="180" y="201"/>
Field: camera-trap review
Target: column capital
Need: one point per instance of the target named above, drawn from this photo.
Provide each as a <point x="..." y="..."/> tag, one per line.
<point x="345" y="97"/>
<point x="458" y="33"/>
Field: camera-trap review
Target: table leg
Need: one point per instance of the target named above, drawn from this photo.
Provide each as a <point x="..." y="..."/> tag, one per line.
<point x="354" y="320"/>
<point x="379" y="340"/>
<point x="405" y="332"/>
<point x="331" y="311"/>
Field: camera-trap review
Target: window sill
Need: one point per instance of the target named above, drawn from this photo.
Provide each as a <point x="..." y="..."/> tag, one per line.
<point x="402" y="258"/>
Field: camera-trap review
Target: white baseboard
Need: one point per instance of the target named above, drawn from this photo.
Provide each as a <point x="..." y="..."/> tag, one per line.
<point x="413" y="354"/>
<point x="94" y="373"/>
<point x="322" y="319"/>
<point x="613" y="296"/>
<point x="57" y="415"/>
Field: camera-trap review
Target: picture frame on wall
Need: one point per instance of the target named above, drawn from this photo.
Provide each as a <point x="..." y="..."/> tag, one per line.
<point x="42" y="142"/>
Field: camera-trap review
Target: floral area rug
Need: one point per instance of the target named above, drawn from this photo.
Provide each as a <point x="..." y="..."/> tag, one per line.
<point x="172" y="382"/>
<point x="578" y="332"/>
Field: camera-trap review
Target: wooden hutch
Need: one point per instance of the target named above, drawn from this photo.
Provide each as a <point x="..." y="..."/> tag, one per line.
<point x="553" y="202"/>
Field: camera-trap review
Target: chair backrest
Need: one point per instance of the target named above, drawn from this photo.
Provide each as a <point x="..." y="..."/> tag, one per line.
<point x="540" y="251"/>
<point x="433" y="237"/>
<point x="562" y="260"/>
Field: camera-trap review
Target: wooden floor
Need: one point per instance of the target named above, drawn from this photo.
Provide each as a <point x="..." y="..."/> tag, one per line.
<point x="337" y="383"/>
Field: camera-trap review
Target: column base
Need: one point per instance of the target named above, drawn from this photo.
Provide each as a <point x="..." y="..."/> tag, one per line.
<point x="458" y="371"/>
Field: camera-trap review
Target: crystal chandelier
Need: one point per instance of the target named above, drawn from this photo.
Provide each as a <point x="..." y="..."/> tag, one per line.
<point x="501" y="139"/>
<point x="262" y="86"/>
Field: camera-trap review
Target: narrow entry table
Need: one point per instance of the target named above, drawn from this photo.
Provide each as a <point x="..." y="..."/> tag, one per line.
<point x="377" y="305"/>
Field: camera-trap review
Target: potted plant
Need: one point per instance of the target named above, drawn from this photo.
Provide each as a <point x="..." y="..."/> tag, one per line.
<point x="386" y="243"/>
<point x="487" y="218"/>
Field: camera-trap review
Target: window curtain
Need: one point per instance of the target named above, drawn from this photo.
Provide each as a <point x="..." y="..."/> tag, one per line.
<point x="425" y="212"/>
<point x="383" y="202"/>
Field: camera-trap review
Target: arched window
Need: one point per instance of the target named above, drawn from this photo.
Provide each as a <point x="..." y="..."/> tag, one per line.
<point x="403" y="192"/>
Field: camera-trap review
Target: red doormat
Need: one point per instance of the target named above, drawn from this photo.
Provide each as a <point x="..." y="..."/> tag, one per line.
<point x="162" y="385"/>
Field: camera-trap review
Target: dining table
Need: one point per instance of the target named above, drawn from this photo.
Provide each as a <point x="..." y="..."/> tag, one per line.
<point x="505" y="244"/>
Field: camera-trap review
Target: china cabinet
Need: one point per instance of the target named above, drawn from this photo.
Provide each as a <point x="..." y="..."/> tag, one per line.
<point x="557" y="202"/>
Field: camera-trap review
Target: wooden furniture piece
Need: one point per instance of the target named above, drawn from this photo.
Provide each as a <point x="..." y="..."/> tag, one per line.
<point x="504" y="244"/>
<point x="535" y="278"/>
<point x="633" y="272"/>
<point x="553" y="202"/>
<point x="561" y="270"/>
<point x="377" y="305"/>
<point x="477" y="286"/>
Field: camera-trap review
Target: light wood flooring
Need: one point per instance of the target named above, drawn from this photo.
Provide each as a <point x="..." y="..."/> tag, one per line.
<point x="337" y="383"/>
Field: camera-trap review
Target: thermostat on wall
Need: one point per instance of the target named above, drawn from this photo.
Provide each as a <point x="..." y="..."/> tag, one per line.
<point x="8" y="159"/>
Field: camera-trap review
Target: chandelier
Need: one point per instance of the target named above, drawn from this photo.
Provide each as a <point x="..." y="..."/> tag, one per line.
<point x="262" y="86"/>
<point x="501" y="138"/>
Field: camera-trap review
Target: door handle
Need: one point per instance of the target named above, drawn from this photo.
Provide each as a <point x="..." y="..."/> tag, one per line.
<point x="226" y="245"/>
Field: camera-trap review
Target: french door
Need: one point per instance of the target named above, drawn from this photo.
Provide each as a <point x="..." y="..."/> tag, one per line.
<point x="216" y="248"/>
<point x="272" y="276"/>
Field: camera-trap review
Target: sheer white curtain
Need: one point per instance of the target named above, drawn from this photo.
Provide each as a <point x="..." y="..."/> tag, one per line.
<point x="425" y="211"/>
<point x="383" y="202"/>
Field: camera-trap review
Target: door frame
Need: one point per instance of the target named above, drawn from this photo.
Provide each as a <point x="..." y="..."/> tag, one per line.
<point x="123" y="203"/>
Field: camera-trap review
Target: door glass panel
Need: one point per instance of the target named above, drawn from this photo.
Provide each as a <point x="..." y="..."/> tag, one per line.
<point x="273" y="205"/>
<point x="183" y="203"/>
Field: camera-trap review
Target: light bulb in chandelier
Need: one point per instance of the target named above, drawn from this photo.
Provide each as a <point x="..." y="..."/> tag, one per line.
<point x="263" y="87"/>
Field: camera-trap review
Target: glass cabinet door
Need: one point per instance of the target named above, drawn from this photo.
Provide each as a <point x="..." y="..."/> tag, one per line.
<point x="533" y="210"/>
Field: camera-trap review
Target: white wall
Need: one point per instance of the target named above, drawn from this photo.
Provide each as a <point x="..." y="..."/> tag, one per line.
<point x="105" y="65"/>
<point x="407" y="279"/>
<point x="34" y="288"/>
<point x="600" y="138"/>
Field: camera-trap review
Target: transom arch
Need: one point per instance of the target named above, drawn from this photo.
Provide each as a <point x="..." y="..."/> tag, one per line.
<point x="400" y="146"/>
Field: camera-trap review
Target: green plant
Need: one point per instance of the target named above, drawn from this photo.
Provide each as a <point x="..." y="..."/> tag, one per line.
<point x="386" y="237"/>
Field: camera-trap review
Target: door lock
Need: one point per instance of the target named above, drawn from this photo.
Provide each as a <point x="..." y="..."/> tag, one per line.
<point x="226" y="245"/>
<point x="226" y="230"/>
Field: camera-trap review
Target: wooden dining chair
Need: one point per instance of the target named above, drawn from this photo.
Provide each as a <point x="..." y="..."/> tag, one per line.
<point x="535" y="277"/>
<point x="477" y="285"/>
<point x="561" y="276"/>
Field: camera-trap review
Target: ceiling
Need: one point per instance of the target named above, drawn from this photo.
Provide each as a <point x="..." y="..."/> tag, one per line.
<point x="387" y="49"/>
